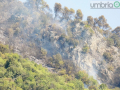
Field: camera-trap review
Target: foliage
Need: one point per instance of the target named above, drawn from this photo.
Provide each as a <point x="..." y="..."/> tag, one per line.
<point x="90" y="20"/>
<point x="57" y="9"/>
<point x="3" y="48"/>
<point x="79" y="14"/>
<point x="83" y="76"/>
<point x="85" y="49"/>
<point x="91" y="31"/>
<point x="67" y="14"/>
<point x="43" y="52"/>
<point x="114" y="40"/>
<point x="103" y="87"/>
<point x="24" y="75"/>
<point x="110" y="68"/>
<point x="93" y="88"/>
<point x="108" y="56"/>
<point x="110" y="42"/>
<point x="116" y="30"/>
<point x="101" y="22"/>
<point x="71" y="41"/>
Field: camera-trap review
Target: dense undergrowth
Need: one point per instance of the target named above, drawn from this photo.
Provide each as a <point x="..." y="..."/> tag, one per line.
<point x="17" y="73"/>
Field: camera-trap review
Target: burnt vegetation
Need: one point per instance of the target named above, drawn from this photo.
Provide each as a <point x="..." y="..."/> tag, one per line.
<point x="29" y="24"/>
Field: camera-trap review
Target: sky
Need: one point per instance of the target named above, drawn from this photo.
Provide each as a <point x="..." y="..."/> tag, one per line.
<point x="112" y="15"/>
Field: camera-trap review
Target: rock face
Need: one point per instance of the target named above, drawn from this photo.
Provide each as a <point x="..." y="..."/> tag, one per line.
<point x="93" y="62"/>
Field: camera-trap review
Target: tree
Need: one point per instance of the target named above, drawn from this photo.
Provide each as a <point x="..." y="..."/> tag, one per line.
<point x="90" y="20"/>
<point x="31" y="3"/>
<point x="116" y="30"/>
<point x="79" y="14"/>
<point x="95" y="22"/>
<point x="44" y="5"/>
<point x="37" y="4"/>
<point x="103" y="87"/>
<point x="67" y="13"/>
<point x="106" y="26"/>
<point x="57" y="9"/>
<point x="71" y="12"/>
<point x="101" y="21"/>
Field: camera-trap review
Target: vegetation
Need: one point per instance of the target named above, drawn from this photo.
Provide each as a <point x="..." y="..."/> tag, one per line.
<point x="71" y="41"/>
<point x="85" y="49"/>
<point x="57" y="9"/>
<point x="79" y="14"/>
<point x="21" y="74"/>
<point x="90" y="20"/>
<point x="114" y="40"/>
<point x="108" y="56"/>
<point x="31" y="23"/>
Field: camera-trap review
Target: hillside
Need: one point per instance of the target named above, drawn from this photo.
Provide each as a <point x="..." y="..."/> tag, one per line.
<point x="64" y="44"/>
<point x="17" y="73"/>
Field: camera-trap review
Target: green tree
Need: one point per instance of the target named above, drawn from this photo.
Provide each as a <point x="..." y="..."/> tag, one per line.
<point x="57" y="9"/>
<point x="103" y="87"/>
<point x="71" y="13"/>
<point x="117" y="30"/>
<point x="90" y="20"/>
<point x="67" y="13"/>
<point x="79" y="14"/>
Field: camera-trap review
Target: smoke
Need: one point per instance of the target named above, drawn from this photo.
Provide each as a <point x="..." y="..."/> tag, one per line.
<point x="93" y="72"/>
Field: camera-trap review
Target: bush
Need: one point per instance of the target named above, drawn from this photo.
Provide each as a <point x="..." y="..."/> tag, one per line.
<point x="116" y="40"/>
<point x="4" y="48"/>
<point x="73" y="42"/>
<point x="87" y="26"/>
<point x="108" y="56"/>
<point x="103" y="87"/>
<point x="62" y="72"/>
<point x="110" y="42"/>
<point x="85" y="49"/>
<point x="43" y="52"/>
<point x="110" y="68"/>
<point x="83" y="76"/>
<point x="100" y="31"/>
<point x="93" y="88"/>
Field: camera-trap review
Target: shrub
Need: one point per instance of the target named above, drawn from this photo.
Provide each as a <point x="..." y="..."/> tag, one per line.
<point x="4" y="48"/>
<point x="9" y="32"/>
<point x="87" y="26"/>
<point x="110" y="42"/>
<point x="108" y="56"/>
<point x="83" y="76"/>
<point x="93" y="88"/>
<point x="110" y="68"/>
<point x="116" y="40"/>
<point x="43" y="52"/>
<point x="100" y="30"/>
<point x="85" y="49"/>
<point x="73" y="42"/>
<point x="103" y="87"/>
<point x="91" y="32"/>
<point x="62" y="72"/>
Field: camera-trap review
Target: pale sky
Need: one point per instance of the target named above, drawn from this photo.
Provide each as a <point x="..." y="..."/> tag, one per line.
<point x="112" y="15"/>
